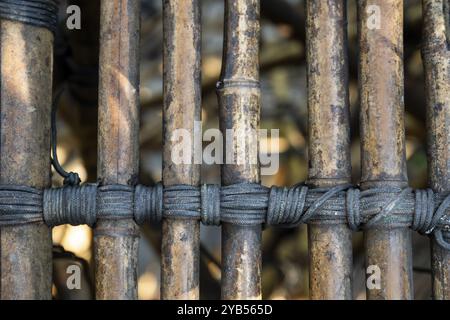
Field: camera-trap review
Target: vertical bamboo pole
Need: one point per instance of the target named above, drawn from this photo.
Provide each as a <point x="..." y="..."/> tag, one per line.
<point x="26" y="95"/>
<point x="330" y="246"/>
<point x="436" y="58"/>
<point x="182" y="107"/>
<point x="383" y="138"/>
<point x="239" y="98"/>
<point x="116" y="242"/>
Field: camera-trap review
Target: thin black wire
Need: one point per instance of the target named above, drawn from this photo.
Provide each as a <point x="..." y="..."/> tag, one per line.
<point x="70" y="178"/>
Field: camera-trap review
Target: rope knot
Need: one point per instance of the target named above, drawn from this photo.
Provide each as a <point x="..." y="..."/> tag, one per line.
<point x="72" y="179"/>
<point x="438" y="222"/>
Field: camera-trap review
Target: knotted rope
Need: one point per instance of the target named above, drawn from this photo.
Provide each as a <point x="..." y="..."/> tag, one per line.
<point x="241" y="204"/>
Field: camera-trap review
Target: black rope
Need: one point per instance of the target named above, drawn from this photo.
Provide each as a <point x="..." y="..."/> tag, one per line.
<point x="39" y="13"/>
<point x="70" y="178"/>
<point x="20" y="205"/>
<point x="148" y="206"/>
<point x="240" y="204"/>
<point x="181" y="202"/>
<point x="115" y="202"/>
<point x="286" y="205"/>
<point x="244" y="204"/>
<point x="210" y="204"/>
<point x="74" y="205"/>
<point x="378" y="208"/>
<point x="439" y="224"/>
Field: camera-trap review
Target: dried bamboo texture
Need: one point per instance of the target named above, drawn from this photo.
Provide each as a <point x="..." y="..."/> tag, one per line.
<point x="26" y="97"/>
<point x="239" y="99"/>
<point x="330" y="246"/>
<point x="116" y="241"/>
<point x="436" y="59"/>
<point x="383" y="139"/>
<point x="182" y="107"/>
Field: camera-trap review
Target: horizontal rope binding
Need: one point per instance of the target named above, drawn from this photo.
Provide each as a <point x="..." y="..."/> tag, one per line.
<point x="20" y="205"/>
<point x="39" y="13"/>
<point x="241" y="204"/>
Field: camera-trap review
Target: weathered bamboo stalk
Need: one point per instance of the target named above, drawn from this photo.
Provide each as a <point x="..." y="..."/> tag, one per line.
<point x="182" y="107"/>
<point x="26" y="91"/>
<point x="239" y="98"/>
<point x="436" y="58"/>
<point x="330" y="246"/>
<point x="383" y="139"/>
<point x="116" y="242"/>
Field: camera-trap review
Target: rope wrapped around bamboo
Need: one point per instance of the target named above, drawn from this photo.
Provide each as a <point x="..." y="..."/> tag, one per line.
<point x="243" y="204"/>
<point x="20" y="205"/>
<point x="39" y="13"/>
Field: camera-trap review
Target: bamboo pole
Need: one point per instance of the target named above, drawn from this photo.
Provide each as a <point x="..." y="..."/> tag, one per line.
<point x="330" y="246"/>
<point x="182" y="107"/>
<point x="383" y="139"/>
<point x="239" y="99"/>
<point x="116" y="242"/>
<point x="26" y="91"/>
<point x="436" y="58"/>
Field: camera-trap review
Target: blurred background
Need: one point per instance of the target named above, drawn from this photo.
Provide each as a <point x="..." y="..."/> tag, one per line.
<point x="283" y="80"/>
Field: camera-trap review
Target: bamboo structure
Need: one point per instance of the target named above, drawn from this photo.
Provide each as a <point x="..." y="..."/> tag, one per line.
<point x="383" y="138"/>
<point x="329" y="143"/>
<point x="383" y="206"/>
<point x="182" y="109"/>
<point x="26" y="86"/>
<point x="116" y="241"/>
<point x="239" y="99"/>
<point x="436" y="57"/>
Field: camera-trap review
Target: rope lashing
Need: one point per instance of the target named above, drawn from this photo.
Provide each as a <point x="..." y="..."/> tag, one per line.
<point x="423" y="219"/>
<point x="380" y="207"/>
<point x="423" y="210"/>
<point x="244" y="203"/>
<point x="241" y="204"/>
<point x="181" y="202"/>
<point x="439" y="225"/>
<point x="148" y="204"/>
<point x="20" y="205"/>
<point x="74" y="205"/>
<point x="210" y="206"/>
<point x="39" y="13"/>
<point x="115" y="202"/>
<point x="291" y="207"/>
